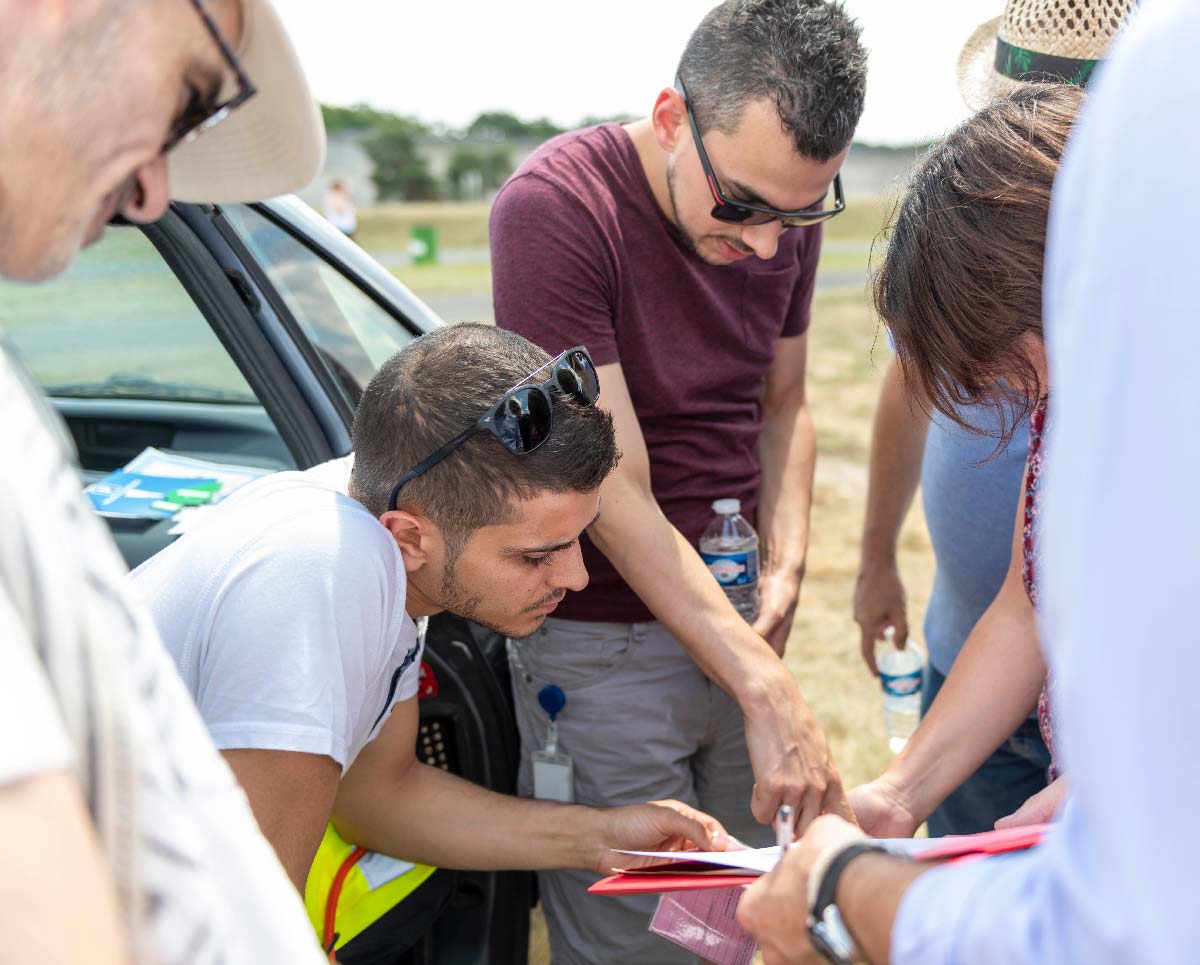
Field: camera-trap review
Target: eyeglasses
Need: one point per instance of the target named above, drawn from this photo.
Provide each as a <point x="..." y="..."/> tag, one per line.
<point x="523" y="418"/>
<point x="202" y="113"/>
<point x="743" y="212"/>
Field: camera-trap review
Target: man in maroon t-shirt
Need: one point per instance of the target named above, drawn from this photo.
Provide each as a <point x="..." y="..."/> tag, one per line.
<point x="661" y="246"/>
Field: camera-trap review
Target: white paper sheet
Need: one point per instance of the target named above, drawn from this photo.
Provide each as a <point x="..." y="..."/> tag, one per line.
<point x="762" y="860"/>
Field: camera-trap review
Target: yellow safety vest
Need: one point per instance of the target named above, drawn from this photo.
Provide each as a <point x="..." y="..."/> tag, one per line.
<point x="349" y="889"/>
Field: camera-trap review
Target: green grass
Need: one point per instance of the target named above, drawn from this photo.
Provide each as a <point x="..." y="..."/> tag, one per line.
<point x="843" y="260"/>
<point x="846" y="360"/>
<point x="861" y="221"/>
<point x="444" y="279"/>
<point x="119" y="311"/>
<point x="387" y="227"/>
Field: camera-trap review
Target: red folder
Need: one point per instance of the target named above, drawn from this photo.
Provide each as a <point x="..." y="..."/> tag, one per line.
<point x="653" y="884"/>
<point x="685" y="875"/>
<point x="988" y="842"/>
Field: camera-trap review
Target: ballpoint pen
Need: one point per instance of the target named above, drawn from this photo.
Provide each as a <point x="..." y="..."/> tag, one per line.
<point x="785" y="827"/>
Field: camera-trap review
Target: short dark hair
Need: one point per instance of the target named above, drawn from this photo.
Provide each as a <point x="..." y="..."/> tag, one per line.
<point x="961" y="281"/>
<point x="804" y="55"/>
<point x="433" y="389"/>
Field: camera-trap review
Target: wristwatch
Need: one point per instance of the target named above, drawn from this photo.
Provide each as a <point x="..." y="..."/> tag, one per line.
<point x="826" y="930"/>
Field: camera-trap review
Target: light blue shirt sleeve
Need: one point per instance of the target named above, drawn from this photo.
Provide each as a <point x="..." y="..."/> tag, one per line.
<point x="1118" y="881"/>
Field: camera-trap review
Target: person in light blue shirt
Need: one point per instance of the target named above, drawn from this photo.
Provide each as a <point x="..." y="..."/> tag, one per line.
<point x="970" y="488"/>
<point x="1114" y="882"/>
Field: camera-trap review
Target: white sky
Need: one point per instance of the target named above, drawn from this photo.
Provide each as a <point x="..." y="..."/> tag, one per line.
<point x="566" y="59"/>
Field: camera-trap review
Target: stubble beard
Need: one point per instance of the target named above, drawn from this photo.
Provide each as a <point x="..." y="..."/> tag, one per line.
<point x="688" y="238"/>
<point x="466" y="605"/>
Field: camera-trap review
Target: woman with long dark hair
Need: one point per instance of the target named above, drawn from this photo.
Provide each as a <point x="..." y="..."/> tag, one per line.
<point x="960" y="291"/>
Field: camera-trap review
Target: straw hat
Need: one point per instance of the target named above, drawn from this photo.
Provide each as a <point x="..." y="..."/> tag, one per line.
<point x="271" y="145"/>
<point x="1038" y="41"/>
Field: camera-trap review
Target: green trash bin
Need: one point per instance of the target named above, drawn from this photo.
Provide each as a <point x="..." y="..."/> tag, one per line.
<point x="423" y="245"/>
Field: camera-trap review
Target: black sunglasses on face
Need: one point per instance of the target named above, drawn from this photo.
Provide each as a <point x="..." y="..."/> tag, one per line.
<point x="523" y="417"/>
<point x="743" y="212"/>
<point x="202" y="113"/>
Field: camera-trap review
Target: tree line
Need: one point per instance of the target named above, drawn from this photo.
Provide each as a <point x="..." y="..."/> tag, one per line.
<point x="402" y="172"/>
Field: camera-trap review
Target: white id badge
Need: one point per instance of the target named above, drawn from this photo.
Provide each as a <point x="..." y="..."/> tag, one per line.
<point x="553" y="777"/>
<point x="553" y="773"/>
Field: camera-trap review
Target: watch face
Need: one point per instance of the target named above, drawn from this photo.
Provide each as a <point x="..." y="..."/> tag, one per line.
<point x="817" y="934"/>
<point x="830" y="938"/>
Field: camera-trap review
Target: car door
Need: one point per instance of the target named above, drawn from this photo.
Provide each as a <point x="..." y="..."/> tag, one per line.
<point x="245" y="334"/>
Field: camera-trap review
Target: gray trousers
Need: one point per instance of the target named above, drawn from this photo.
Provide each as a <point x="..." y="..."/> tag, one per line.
<point x="642" y="722"/>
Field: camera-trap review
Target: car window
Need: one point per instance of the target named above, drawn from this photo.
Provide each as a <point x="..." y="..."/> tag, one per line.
<point x="119" y="325"/>
<point x="352" y="333"/>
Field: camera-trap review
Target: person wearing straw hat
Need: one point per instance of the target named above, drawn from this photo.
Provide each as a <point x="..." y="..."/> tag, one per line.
<point x="1037" y="42"/>
<point x="126" y="836"/>
<point x="970" y="488"/>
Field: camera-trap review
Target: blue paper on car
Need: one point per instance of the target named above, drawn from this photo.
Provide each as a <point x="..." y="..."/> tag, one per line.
<point x="133" y="495"/>
<point x="157" y="485"/>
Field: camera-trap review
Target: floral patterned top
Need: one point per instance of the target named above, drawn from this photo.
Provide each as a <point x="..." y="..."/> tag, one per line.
<point x="1029" y="541"/>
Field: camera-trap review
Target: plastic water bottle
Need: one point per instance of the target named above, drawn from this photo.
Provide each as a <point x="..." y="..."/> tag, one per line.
<point x="900" y="673"/>
<point x="729" y="547"/>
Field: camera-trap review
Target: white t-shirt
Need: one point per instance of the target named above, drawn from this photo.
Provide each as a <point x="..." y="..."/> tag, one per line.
<point x="85" y="685"/>
<point x="285" y="615"/>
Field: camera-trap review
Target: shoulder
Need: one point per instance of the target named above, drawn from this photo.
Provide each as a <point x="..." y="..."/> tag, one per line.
<point x="289" y="539"/>
<point x="327" y="534"/>
<point x="574" y="173"/>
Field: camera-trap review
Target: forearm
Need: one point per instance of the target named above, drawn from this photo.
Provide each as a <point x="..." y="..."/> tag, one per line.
<point x="430" y="816"/>
<point x="787" y="451"/>
<point x="669" y="576"/>
<point x="869" y="892"/>
<point x="991" y="689"/>
<point x="897" y="448"/>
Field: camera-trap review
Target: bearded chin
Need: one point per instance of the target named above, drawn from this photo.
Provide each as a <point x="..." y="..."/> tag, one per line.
<point x="688" y="239"/>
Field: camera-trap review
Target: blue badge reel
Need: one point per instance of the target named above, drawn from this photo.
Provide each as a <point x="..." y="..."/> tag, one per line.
<point x="553" y="772"/>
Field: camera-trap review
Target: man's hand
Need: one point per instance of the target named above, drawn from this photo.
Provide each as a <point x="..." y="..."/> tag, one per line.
<point x="1039" y="809"/>
<point x="790" y="756"/>
<point x="879" y="602"/>
<point x="775" y="908"/>
<point x="658" y="826"/>
<point x="883" y="811"/>
<point x="778" y="595"/>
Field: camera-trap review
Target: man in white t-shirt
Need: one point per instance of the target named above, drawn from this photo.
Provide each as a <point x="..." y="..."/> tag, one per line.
<point x="126" y="836"/>
<point x="291" y="613"/>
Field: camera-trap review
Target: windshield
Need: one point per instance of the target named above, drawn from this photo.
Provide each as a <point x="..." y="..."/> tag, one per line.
<point x="353" y="334"/>
<point x="119" y="325"/>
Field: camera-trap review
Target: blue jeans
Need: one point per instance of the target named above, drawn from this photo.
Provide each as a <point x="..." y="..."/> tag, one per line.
<point x="1001" y="785"/>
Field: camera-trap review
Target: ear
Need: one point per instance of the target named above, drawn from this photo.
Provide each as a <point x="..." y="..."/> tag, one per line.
<point x="669" y="118"/>
<point x="414" y="535"/>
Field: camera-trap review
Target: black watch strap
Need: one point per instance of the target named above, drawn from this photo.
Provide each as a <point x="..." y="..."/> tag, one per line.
<point x="830" y="936"/>
<point x="828" y="887"/>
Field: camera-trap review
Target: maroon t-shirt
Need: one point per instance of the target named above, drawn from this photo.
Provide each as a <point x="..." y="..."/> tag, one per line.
<point x="582" y="254"/>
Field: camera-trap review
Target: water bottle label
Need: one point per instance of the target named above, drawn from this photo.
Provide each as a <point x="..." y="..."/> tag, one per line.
<point x="733" y="569"/>
<point x="901" y="684"/>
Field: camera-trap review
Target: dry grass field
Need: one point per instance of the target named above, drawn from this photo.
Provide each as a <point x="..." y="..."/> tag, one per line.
<point x="847" y="354"/>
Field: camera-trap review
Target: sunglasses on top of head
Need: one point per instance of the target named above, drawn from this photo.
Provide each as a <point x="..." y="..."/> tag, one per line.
<point x="203" y="112"/>
<point x="523" y="418"/>
<point x="743" y="212"/>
